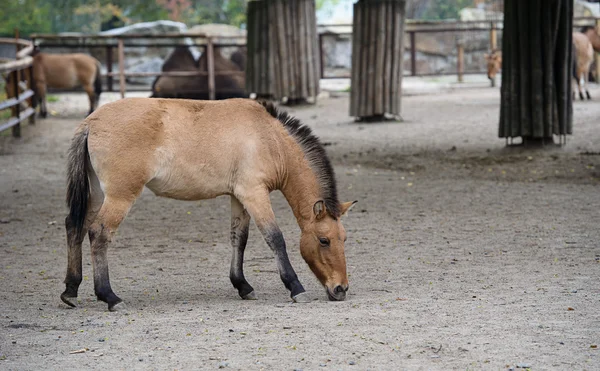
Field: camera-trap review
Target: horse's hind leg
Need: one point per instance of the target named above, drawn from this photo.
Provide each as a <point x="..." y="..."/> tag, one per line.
<point x="74" y="269"/>
<point x="41" y="91"/>
<point x="240" y="222"/>
<point x="586" y="81"/>
<point x="113" y="211"/>
<point x="89" y="89"/>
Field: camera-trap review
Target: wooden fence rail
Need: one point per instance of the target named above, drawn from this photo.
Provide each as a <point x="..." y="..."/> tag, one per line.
<point x="15" y="97"/>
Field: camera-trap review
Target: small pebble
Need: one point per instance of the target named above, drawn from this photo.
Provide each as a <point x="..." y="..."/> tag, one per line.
<point x="223" y="364"/>
<point x="322" y="365"/>
<point x="574" y="291"/>
<point x="14" y="342"/>
<point x="298" y="369"/>
<point x="523" y="365"/>
<point x="101" y="340"/>
<point x="141" y="359"/>
<point x="351" y="363"/>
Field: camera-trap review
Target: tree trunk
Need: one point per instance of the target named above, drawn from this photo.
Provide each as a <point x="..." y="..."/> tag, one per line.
<point x="377" y="58"/>
<point x="283" y="54"/>
<point x="536" y="70"/>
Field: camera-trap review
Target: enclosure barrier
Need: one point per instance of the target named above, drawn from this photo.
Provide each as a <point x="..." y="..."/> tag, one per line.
<point x="120" y="42"/>
<point x="14" y="69"/>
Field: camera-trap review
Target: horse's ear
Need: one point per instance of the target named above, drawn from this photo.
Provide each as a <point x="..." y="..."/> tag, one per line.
<point x="319" y="209"/>
<point x="346" y="206"/>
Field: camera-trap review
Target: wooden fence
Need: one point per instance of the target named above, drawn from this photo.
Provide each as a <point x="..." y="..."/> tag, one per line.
<point x="120" y="42"/>
<point x="15" y="97"/>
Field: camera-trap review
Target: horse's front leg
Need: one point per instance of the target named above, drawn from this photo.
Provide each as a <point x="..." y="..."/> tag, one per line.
<point x="240" y="222"/>
<point x="258" y="205"/>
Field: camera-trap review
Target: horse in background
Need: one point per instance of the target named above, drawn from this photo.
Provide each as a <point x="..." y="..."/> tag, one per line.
<point x="65" y="71"/>
<point x="593" y="33"/>
<point x="583" y="57"/>
<point x="494" y="64"/>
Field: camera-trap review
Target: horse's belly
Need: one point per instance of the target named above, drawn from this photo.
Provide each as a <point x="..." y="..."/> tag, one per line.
<point x="190" y="188"/>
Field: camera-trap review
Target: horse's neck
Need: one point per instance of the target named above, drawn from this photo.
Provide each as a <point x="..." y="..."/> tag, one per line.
<point x="300" y="188"/>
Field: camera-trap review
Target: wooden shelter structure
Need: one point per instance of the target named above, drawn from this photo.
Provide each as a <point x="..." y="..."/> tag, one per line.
<point x="536" y="101"/>
<point x="283" y="51"/>
<point x="377" y="58"/>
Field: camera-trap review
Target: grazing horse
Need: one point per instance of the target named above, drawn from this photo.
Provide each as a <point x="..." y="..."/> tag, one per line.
<point x="196" y="87"/>
<point x="582" y="60"/>
<point x="65" y="71"/>
<point x="194" y="150"/>
<point x="494" y="64"/>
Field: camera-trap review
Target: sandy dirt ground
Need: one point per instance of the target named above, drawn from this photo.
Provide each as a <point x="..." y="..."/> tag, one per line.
<point x="463" y="254"/>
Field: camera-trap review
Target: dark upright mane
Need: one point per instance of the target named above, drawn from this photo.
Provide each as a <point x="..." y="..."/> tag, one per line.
<point x="314" y="153"/>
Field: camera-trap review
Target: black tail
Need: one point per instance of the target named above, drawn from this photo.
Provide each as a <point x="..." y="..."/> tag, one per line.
<point x="98" y="83"/>
<point x="575" y="64"/>
<point x="78" y="184"/>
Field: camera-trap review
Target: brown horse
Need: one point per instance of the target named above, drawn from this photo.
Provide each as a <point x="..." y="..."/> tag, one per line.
<point x="592" y="33"/>
<point x="494" y="64"/>
<point x="194" y="150"/>
<point x="66" y="71"/>
<point x="583" y="55"/>
<point x="196" y="87"/>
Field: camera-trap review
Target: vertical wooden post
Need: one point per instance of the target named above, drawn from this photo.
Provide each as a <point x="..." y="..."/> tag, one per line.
<point x="536" y="102"/>
<point x="413" y="54"/>
<point x="321" y="56"/>
<point x="460" y="61"/>
<point x="30" y="86"/>
<point x="493" y="36"/>
<point x="283" y="50"/>
<point x="378" y="59"/>
<point x="211" y="68"/>
<point x="16" y="130"/>
<point x="121" y="51"/>
<point x="597" y="55"/>
<point x="109" y="67"/>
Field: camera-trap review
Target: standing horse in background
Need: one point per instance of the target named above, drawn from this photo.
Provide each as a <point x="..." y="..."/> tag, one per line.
<point x="494" y="65"/>
<point x="195" y="150"/>
<point x="593" y="33"/>
<point x="583" y="55"/>
<point x="65" y="71"/>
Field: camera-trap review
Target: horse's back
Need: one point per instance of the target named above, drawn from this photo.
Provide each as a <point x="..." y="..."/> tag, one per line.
<point x="185" y="149"/>
<point x="65" y="70"/>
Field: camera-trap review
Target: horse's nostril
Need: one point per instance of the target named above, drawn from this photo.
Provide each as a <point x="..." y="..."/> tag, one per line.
<point x="339" y="289"/>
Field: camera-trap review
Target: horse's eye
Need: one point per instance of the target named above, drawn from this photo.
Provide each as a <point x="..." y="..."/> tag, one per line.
<point x="324" y="241"/>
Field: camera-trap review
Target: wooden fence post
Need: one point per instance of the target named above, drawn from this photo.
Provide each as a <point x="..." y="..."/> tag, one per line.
<point x="121" y="51"/>
<point x="460" y="61"/>
<point x="211" y="68"/>
<point x="413" y="54"/>
<point x="493" y="36"/>
<point x="109" y="67"/>
<point x="16" y="130"/>
<point x="597" y="54"/>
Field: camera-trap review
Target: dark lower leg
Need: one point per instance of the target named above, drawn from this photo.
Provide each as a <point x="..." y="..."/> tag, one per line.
<point x="275" y="240"/>
<point x="99" y="239"/>
<point x="239" y="238"/>
<point x="588" y="94"/>
<point x="74" y="269"/>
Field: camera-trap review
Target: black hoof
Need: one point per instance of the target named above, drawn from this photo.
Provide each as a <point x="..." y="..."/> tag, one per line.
<point x="116" y="307"/>
<point x="581" y="96"/>
<point x="589" y="97"/>
<point x="69" y="300"/>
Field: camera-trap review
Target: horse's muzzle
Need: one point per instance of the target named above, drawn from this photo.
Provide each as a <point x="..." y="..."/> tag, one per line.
<point x="337" y="294"/>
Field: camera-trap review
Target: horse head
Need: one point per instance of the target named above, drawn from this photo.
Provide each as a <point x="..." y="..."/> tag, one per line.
<point x="322" y="247"/>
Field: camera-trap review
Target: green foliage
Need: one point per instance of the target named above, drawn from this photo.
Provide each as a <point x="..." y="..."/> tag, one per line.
<point x="445" y="9"/>
<point x="53" y="16"/>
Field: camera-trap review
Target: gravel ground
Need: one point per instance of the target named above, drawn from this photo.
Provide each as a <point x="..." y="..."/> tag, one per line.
<point x="462" y="253"/>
